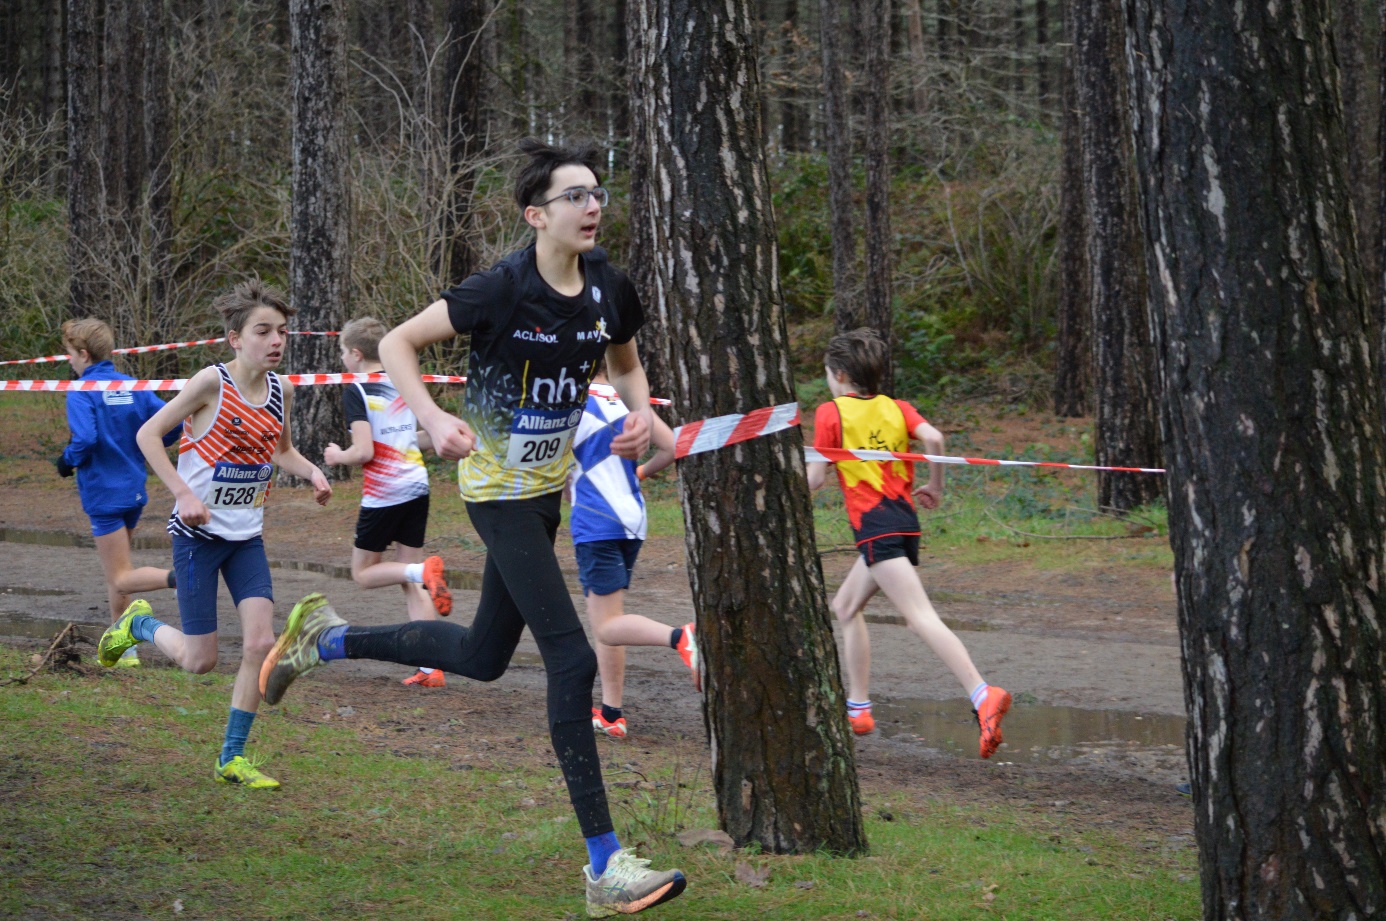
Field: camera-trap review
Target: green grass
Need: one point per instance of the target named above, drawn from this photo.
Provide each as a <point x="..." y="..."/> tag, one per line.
<point x="110" y="811"/>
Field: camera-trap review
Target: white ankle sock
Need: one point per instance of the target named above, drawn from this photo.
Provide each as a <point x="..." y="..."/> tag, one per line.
<point x="413" y="572"/>
<point x="855" y="708"/>
<point x="426" y="671"/>
<point x="979" y="694"/>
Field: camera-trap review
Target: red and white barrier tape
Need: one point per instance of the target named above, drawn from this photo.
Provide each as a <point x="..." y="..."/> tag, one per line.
<point x="607" y="392"/>
<point x="829" y="455"/>
<point x="298" y="380"/>
<point x="720" y="431"/>
<point x="141" y="349"/>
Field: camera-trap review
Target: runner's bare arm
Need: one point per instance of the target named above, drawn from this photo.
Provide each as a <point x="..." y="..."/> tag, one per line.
<point x="627" y="375"/>
<point x="662" y="437"/>
<point x="931" y="493"/>
<point x="199" y="393"/>
<point x="294" y="463"/>
<point x="399" y="354"/>
<point x="817" y="474"/>
<point x="360" y="451"/>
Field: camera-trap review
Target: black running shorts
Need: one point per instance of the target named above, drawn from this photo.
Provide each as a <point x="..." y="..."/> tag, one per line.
<point x="403" y="524"/>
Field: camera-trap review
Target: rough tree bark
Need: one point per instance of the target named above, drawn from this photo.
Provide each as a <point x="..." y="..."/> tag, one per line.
<point x="85" y="230"/>
<point x="837" y="127"/>
<point x="319" y="246"/>
<point x="874" y="17"/>
<point x="1073" y="347"/>
<point x="1379" y="240"/>
<point x="783" y="763"/>
<point x="464" y="81"/>
<point x="1125" y="388"/>
<point x="1351" y="41"/>
<point x="1274" y="446"/>
<point x="158" y="198"/>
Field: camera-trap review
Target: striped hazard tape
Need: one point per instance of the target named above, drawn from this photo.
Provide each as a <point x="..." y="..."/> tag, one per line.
<point x="720" y="431"/>
<point x="829" y="455"/>
<point x="298" y="380"/>
<point x="141" y="349"/>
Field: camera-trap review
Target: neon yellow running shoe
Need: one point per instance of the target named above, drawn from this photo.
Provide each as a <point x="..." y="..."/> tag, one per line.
<point x="241" y="770"/>
<point x="295" y="654"/>
<point x="131" y="659"/>
<point x="117" y="637"/>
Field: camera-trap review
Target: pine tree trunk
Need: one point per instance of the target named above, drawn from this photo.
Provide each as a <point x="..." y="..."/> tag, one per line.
<point x="85" y="228"/>
<point x="1274" y="449"/>
<point x="464" y="82"/>
<point x="1362" y="155"/>
<point x="1379" y="240"/>
<point x="54" y="95"/>
<point x="319" y="245"/>
<point x="783" y="763"/>
<point x="1126" y="397"/>
<point x="158" y="155"/>
<point x="874" y="16"/>
<point x="838" y="128"/>
<point x="1073" y="344"/>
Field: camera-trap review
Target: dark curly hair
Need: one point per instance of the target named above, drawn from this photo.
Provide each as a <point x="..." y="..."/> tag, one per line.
<point x="534" y="177"/>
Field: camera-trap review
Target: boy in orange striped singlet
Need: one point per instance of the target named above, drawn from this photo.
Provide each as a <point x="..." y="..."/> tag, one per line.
<point x="235" y="419"/>
<point x="885" y="525"/>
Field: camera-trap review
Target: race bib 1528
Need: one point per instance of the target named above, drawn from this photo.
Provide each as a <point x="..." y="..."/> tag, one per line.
<point x="540" y="436"/>
<point x="239" y="485"/>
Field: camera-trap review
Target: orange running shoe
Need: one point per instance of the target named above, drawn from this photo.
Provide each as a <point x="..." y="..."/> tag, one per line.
<point x="437" y="585"/>
<point x="423" y="679"/>
<point x="862" y="723"/>
<point x="688" y="651"/>
<point x="616" y="730"/>
<point x="989" y="716"/>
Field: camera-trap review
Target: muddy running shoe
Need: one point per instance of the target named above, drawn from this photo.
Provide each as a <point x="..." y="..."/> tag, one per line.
<point x="616" y="730"/>
<point x="1184" y="789"/>
<point x="862" y="722"/>
<point x="241" y="770"/>
<point x="437" y="585"/>
<point x="118" y="637"/>
<point x="688" y="651"/>
<point x="423" y="679"/>
<point x="989" y="716"/>
<point x="629" y="885"/>
<point x="131" y="659"/>
<point x="295" y="654"/>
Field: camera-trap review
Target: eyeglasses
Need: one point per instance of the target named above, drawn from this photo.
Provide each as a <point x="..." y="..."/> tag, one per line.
<point x="577" y="196"/>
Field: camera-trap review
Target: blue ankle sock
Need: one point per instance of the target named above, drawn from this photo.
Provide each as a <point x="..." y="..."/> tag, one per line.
<point x="599" y="851"/>
<point x="332" y="643"/>
<point x="142" y="627"/>
<point x="237" y="731"/>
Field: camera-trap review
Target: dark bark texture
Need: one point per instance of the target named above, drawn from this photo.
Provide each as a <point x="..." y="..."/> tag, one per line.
<point x="1352" y="42"/>
<point x="1072" y="347"/>
<point x="319" y="247"/>
<point x="876" y="290"/>
<point x="783" y="763"/>
<point x="1274" y="448"/>
<point x="1126" y="389"/>
<point x="464" y="82"/>
<point x="85" y="236"/>
<point x="837" y="128"/>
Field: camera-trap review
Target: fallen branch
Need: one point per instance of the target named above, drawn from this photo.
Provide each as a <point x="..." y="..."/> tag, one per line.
<point x="67" y="634"/>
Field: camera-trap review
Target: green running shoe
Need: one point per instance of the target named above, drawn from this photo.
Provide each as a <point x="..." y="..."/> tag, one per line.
<point x="629" y="885"/>
<point x="117" y="637"/>
<point x="295" y="654"/>
<point x="131" y="659"/>
<point x="241" y="770"/>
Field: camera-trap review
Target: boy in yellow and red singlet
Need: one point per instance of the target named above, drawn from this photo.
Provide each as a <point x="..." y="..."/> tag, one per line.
<point x="385" y="444"/>
<point x="885" y="525"/>
<point x="235" y="419"/>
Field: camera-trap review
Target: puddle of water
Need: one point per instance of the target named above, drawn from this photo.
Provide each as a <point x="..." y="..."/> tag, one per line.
<point x="40" y="538"/>
<point x="42" y="628"/>
<point x="26" y="590"/>
<point x="1034" y="734"/>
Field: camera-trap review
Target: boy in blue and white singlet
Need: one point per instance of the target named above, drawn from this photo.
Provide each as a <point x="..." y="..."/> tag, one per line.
<point x="608" y="526"/>
<point x="110" y="470"/>
<point x="235" y="424"/>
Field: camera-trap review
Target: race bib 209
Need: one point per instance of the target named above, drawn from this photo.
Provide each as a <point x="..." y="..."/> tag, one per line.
<point x="540" y="436"/>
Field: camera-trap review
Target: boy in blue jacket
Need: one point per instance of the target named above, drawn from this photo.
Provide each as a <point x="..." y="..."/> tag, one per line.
<point x="109" y="466"/>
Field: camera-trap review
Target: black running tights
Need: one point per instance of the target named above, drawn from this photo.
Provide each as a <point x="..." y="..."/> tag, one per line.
<point x="521" y="586"/>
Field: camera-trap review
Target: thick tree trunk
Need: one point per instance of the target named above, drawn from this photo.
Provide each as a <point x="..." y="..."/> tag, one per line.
<point x="85" y="228"/>
<point x="122" y="115"/>
<point x="1379" y="240"/>
<point x="874" y="16"/>
<point x="1274" y="449"/>
<point x="464" y="82"/>
<point x="1357" y="115"/>
<point x="54" y="88"/>
<point x="783" y="763"/>
<point x="1073" y="345"/>
<point x="838" y="129"/>
<point x="319" y="246"/>
<point x="158" y="155"/>
<point x="1126" y="394"/>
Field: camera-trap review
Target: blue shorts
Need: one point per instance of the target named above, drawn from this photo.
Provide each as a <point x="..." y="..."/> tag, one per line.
<point x="101" y="525"/>
<point x="242" y="565"/>
<point x="604" y="566"/>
